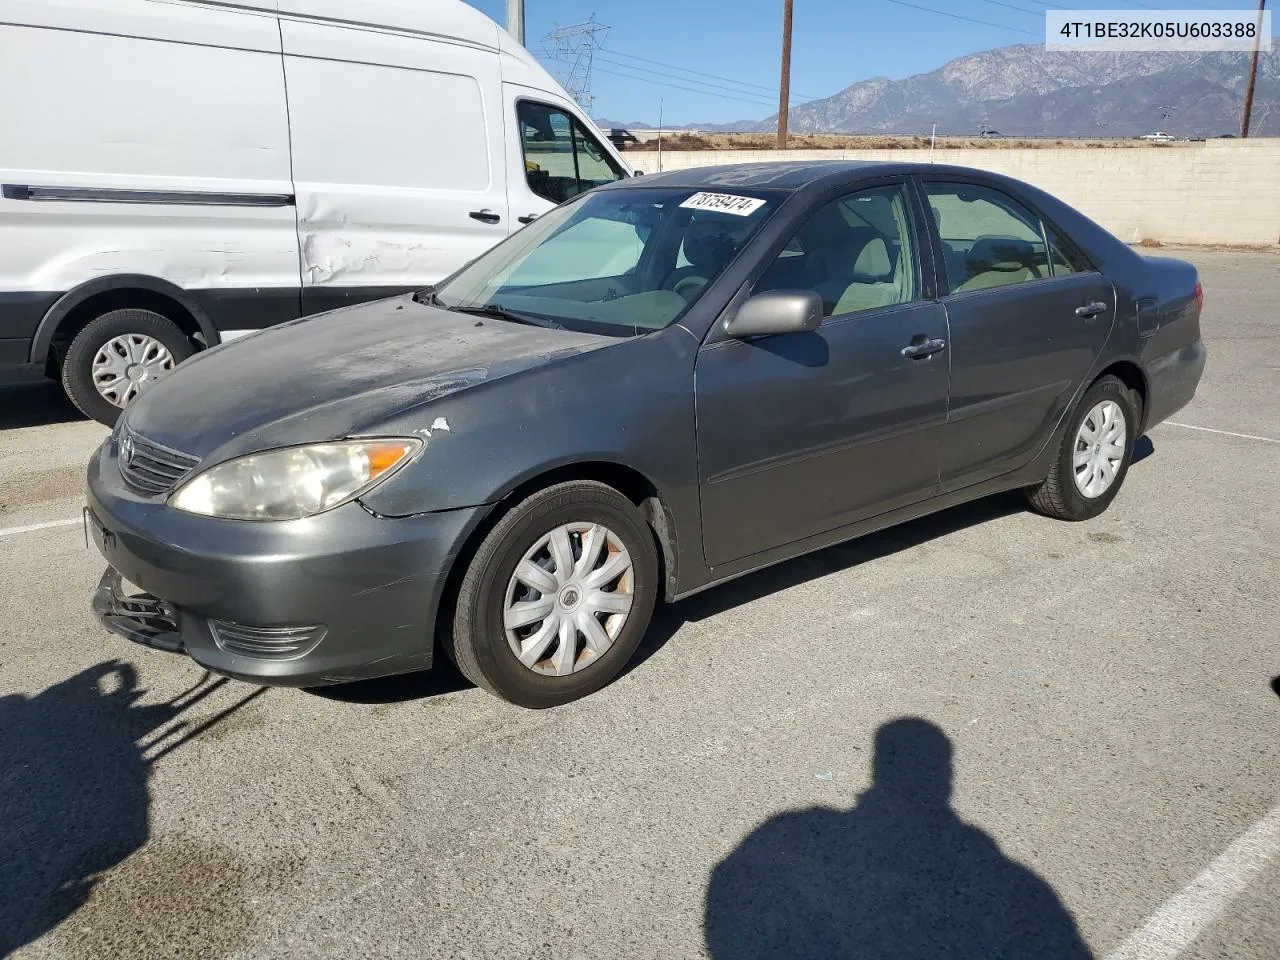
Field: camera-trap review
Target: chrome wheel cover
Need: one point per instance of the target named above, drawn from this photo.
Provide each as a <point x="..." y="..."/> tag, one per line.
<point x="569" y="598"/>
<point x="125" y="365"/>
<point x="1099" y="449"/>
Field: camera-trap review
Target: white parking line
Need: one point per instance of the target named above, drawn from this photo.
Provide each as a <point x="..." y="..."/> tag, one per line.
<point x="50" y="525"/>
<point x="1187" y="914"/>
<point x="1225" y="433"/>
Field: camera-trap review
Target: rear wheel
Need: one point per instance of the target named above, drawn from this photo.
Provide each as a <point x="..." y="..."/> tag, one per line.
<point x="1094" y="456"/>
<point x="558" y="596"/>
<point x="119" y="355"/>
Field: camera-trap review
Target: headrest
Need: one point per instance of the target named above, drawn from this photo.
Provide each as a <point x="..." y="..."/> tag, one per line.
<point x="711" y="243"/>
<point x="1001" y="252"/>
<point x="874" y="261"/>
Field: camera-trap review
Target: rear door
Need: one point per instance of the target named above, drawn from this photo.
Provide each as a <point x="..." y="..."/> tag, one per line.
<point x="397" y="156"/>
<point x="803" y="433"/>
<point x="552" y="156"/>
<point x="1028" y="316"/>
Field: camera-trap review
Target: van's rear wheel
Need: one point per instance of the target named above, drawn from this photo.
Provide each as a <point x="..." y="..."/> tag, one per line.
<point x="117" y="356"/>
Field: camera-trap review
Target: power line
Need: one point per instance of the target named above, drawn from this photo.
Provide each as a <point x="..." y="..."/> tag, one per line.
<point x="957" y="16"/>
<point x="676" y="86"/>
<point x="1011" y="6"/>
<point x="698" y="73"/>
<point x="669" y="76"/>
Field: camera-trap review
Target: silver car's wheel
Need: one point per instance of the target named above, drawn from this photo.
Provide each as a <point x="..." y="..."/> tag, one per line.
<point x="569" y="598"/>
<point x="125" y="365"/>
<point x="1099" y="449"/>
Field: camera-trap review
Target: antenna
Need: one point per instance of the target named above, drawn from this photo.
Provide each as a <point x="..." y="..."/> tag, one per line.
<point x="573" y="50"/>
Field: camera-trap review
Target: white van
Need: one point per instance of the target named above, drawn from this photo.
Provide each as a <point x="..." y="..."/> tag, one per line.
<point x="175" y="172"/>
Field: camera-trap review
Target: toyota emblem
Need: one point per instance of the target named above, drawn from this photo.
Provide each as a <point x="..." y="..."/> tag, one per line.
<point x="126" y="450"/>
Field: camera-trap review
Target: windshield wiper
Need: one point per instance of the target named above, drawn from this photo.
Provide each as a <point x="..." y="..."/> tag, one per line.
<point x="502" y="313"/>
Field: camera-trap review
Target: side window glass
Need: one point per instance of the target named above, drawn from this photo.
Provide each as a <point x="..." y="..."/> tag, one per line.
<point x="1064" y="256"/>
<point x="595" y="166"/>
<point x="988" y="239"/>
<point x="855" y="252"/>
<point x="546" y="134"/>
<point x="561" y="159"/>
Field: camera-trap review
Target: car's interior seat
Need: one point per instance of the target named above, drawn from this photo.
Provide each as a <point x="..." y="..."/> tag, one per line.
<point x="709" y="245"/>
<point x="997" y="261"/>
<point x="885" y="282"/>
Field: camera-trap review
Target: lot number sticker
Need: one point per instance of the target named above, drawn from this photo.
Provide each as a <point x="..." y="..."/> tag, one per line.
<point x="724" y="203"/>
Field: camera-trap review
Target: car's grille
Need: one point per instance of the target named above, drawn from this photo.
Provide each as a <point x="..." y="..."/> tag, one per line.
<point x="266" y="643"/>
<point x="150" y="467"/>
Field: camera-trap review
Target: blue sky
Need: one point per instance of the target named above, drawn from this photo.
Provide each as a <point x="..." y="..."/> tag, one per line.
<point x="835" y="43"/>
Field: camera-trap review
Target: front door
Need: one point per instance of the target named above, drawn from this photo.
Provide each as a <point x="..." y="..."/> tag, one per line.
<point x="803" y="433"/>
<point x="1028" y="317"/>
<point x="553" y="157"/>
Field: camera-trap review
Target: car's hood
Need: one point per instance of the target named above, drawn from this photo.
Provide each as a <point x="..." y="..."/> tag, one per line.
<point x="337" y="375"/>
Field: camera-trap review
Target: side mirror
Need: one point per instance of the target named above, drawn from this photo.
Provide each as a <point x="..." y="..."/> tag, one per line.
<point x="775" y="312"/>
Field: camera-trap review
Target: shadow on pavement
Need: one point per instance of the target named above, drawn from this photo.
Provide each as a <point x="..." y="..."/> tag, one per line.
<point x="668" y="619"/>
<point x="442" y="678"/>
<point x="34" y="402"/>
<point x="1275" y="685"/>
<point x="1143" y="448"/>
<point x="74" y="796"/>
<point x="899" y="876"/>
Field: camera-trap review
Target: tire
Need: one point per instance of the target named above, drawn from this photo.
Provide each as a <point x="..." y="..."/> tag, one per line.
<point x="78" y="378"/>
<point x="1060" y="495"/>
<point x="479" y="642"/>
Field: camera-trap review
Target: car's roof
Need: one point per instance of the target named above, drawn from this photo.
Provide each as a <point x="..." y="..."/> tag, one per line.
<point x="793" y="175"/>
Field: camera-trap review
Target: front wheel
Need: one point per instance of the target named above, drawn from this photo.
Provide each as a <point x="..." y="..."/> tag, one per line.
<point x="1094" y="456"/>
<point x="117" y="356"/>
<point x="558" y="596"/>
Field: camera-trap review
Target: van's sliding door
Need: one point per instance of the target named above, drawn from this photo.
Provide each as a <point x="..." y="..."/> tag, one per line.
<point x="397" y="159"/>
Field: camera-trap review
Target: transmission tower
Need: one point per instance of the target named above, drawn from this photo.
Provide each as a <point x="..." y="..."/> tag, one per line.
<point x="572" y="50"/>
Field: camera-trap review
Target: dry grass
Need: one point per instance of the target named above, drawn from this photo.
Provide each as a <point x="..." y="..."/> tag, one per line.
<point x="840" y="141"/>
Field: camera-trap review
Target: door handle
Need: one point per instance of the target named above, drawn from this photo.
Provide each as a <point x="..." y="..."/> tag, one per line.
<point x="923" y="347"/>
<point x="528" y="218"/>
<point x="1091" y="309"/>
<point x="485" y="216"/>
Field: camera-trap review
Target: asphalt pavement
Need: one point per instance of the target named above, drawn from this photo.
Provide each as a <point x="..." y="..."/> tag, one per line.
<point x="983" y="734"/>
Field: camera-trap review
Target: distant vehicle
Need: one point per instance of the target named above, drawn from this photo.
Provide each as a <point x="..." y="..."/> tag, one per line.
<point x="992" y="134"/>
<point x="1158" y="137"/>
<point x="203" y="168"/>
<point x="1226" y="136"/>
<point x="620" y="138"/>
<point x="660" y="385"/>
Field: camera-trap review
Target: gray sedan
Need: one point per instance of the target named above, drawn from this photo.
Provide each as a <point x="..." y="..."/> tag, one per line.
<point x="657" y="387"/>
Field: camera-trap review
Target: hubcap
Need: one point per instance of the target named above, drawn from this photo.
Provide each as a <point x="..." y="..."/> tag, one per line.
<point x="568" y="599"/>
<point x="127" y="364"/>
<point x="1100" y="449"/>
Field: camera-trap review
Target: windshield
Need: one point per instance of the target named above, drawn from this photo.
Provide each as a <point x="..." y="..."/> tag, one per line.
<point x="621" y="262"/>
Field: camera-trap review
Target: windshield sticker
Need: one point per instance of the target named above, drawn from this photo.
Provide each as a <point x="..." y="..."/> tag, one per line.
<point x="724" y="203"/>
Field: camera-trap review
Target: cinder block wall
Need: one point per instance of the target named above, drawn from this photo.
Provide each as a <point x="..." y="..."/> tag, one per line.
<point x="1221" y="191"/>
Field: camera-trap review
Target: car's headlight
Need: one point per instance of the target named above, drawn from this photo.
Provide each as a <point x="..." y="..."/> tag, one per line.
<point x="293" y="482"/>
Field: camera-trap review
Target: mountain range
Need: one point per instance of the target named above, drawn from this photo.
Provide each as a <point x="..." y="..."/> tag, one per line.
<point x="1025" y="90"/>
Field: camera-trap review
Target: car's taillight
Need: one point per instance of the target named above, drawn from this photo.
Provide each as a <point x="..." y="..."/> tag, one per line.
<point x="1199" y="296"/>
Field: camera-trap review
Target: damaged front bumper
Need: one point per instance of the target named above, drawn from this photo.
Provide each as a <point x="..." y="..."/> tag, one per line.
<point x="141" y="618"/>
<point x="338" y="597"/>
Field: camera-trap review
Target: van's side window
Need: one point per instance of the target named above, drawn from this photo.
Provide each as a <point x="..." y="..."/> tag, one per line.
<point x="561" y="159"/>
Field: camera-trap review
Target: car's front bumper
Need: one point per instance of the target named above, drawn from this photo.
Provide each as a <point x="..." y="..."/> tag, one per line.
<point x="370" y="586"/>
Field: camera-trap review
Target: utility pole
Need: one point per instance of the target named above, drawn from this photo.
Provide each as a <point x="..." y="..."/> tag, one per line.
<point x="1253" y="75"/>
<point x="515" y="20"/>
<point x="784" y="95"/>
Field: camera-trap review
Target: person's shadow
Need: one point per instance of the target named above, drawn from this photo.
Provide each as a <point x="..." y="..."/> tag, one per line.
<point x="73" y="793"/>
<point x="898" y="877"/>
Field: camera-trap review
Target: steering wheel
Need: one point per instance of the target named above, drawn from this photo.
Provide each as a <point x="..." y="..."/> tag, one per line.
<point x="690" y="287"/>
